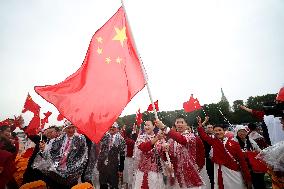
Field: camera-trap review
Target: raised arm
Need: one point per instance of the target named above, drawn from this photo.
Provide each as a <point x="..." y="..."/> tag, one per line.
<point x="202" y="133"/>
<point x="246" y="108"/>
<point x="256" y="113"/>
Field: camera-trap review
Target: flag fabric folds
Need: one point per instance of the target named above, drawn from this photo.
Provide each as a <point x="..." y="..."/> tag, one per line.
<point x="191" y="105"/>
<point x="94" y="96"/>
<point x="150" y="107"/>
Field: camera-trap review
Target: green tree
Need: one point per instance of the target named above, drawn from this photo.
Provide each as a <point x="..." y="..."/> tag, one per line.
<point x="237" y="104"/>
<point x="239" y="116"/>
<point x="257" y="102"/>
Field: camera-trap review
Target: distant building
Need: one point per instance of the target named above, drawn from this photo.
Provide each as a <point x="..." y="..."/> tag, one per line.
<point x="224" y="99"/>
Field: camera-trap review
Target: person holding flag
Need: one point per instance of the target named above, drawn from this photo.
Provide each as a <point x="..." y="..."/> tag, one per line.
<point x="182" y="152"/>
<point x="147" y="161"/>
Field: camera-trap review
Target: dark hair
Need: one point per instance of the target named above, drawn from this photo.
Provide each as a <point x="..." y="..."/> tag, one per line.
<point x="252" y="126"/>
<point x="180" y="116"/>
<point x="7" y="145"/>
<point x="14" y="134"/>
<point x="4" y="127"/>
<point x="242" y="144"/>
<point x="128" y="132"/>
<point x="219" y="125"/>
<point x="57" y="129"/>
<point x="151" y="120"/>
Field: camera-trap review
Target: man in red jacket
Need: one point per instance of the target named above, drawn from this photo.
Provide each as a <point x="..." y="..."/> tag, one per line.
<point x="182" y="152"/>
<point x="230" y="167"/>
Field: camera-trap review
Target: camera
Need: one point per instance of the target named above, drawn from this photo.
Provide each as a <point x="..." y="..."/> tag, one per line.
<point x="274" y="108"/>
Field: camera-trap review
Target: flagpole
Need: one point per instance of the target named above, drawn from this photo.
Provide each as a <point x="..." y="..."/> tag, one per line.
<point x="141" y="63"/>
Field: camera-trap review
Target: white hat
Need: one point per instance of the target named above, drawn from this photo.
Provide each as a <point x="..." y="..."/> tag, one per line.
<point x="241" y="127"/>
<point x="115" y="125"/>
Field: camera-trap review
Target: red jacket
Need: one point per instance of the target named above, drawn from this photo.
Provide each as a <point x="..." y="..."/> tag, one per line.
<point x="227" y="155"/>
<point x="258" y="114"/>
<point x="200" y="153"/>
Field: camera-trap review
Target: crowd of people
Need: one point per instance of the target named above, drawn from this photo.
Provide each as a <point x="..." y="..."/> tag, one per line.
<point x="155" y="157"/>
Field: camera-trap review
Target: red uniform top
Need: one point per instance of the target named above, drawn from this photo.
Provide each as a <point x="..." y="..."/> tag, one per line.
<point x="229" y="155"/>
<point x="148" y="157"/>
<point x="200" y="153"/>
<point x="258" y="114"/>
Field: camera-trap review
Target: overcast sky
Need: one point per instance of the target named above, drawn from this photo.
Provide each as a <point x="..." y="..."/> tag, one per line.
<point x="187" y="47"/>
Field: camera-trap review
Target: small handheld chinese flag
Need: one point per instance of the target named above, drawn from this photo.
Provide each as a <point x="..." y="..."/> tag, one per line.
<point x="191" y="105"/>
<point x="150" y="107"/>
<point x="93" y="97"/>
<point x="30" y="105"/>
<point x="34" y="125"/>
<point x="139" y="119"/>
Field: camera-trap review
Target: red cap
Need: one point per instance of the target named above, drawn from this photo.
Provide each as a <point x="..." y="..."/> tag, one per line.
<point x="5" y="122"/>
<point x="280" y="96"/>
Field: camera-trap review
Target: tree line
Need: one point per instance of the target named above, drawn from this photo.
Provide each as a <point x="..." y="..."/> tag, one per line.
<point x="232" y="113"/>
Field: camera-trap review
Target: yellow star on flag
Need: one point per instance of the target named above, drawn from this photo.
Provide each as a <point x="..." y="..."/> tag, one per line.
<point x="118" y="60"/>
<point x="100" y="39"/>
<point x="120" y="35"/>
<point x="108" y="60"/>
<point x="99" y="50"/>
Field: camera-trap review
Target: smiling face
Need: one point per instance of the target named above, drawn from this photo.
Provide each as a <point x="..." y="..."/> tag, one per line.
<point x="181" y="125"/>
<point x="242" y="133"/>
<point x="219" y="132"/>
<point x="6" y="131"/>
<point x="149" y="127"/>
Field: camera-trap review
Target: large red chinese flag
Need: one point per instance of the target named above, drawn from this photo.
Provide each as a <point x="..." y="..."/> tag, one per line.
<point x="93" y="97"/>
